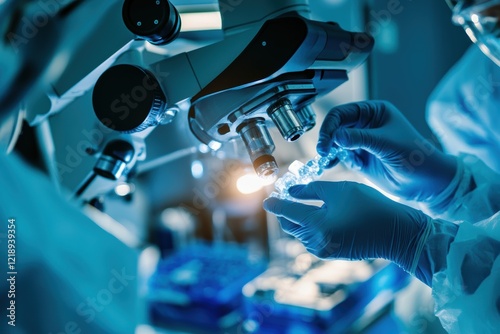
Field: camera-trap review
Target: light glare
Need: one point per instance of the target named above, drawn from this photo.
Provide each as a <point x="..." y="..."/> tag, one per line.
<point x="201" y="21"/>
<point x="251" y="183"/>
<point x="197" y="169"/>
<point x="475" y="18"/>
<point x="123" y="189"/>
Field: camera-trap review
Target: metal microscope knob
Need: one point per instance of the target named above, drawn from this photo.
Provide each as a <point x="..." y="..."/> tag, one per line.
<point x="128" y="99"/>
<point x="156" y="21"/>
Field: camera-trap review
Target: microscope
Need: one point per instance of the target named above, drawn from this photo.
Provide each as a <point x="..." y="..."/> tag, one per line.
<point x="265" y="69"/>
<point x="272" y="63"/>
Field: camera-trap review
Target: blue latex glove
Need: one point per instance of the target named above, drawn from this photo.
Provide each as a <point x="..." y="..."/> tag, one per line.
<point x="356" y="222"/>
<point x="387" y="149"/>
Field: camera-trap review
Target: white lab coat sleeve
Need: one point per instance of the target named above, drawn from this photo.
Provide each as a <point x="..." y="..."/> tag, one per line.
<point x="467" y="291"/>
<point x="463" y="109"/>
<point x="473" y="195"/>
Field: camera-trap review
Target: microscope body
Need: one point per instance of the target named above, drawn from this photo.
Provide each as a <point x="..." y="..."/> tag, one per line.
<point x="271" y="65"/>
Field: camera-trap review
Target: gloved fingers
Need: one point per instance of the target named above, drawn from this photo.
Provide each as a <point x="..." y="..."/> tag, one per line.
<point x="333" y="121"/>
<point x="354" y="160"/>
<point x="304" y="192"/>
<point x="289" y="227"/>
<point x="359" y="115"/>
<point x="295" y="212"/>
<point x="319" y="190"/>
<point x="355" y="139"/>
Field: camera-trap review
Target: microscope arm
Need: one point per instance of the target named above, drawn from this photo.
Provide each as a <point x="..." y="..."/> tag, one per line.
<point x="271" y="65"/>
<point x="267" y="70"/>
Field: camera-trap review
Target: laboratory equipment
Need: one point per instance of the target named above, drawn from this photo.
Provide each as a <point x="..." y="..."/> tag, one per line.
<point x="264" y="68"/>
<point x="271" y="65"/>
<point x="479" y="18"/>
<point x="306" y="117"/>
<point x="141" y="107"/>
<point x="286" y="120"/>
<point x="112" y="163"/>
<point x="300" y="173"/>
<point x="157" y="22"/>
<point x="260" y="145"/>
<point x="305" y="295"/>
<point x="200" y="286"/>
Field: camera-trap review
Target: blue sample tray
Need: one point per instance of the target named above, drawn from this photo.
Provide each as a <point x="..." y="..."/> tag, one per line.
<point x="201" y="286"/>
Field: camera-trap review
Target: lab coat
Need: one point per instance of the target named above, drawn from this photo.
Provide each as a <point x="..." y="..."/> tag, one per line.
<point x="467" y="289"/>
<point x="69" y="275"/>
<point x="464" y="109"/>
<point x="464" y="113"/>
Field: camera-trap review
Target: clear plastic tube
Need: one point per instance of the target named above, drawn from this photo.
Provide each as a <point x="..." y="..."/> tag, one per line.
<point x="300" y="173"/>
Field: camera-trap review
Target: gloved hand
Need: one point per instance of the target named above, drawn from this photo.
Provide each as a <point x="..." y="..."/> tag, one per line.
<point x="356" y="222"/>
<point x="387" y="149"/>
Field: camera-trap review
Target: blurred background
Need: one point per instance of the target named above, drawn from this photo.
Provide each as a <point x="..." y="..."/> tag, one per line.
<point x="211" y="260"/>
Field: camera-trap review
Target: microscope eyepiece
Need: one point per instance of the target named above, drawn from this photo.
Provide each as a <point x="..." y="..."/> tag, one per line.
<point x="128" y="99"/>
<point x="286" y="120"/>
<point x="260" y="147"/>
<point x="156" y="21"/>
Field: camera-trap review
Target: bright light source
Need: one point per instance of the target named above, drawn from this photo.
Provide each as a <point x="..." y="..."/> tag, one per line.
<point x="201" y="21"/>
<point x="214" y="145"/>
<point x="251" y="183"/>
<point x="123" y="189"/>
<point x="197" y="169"/>
<point x="145" y="329"/>
<point x="471" y="35"/>
<point x="203" y="148"/>
<point x="248" y="184"/>
<point x="475" y="18"/>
